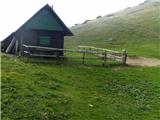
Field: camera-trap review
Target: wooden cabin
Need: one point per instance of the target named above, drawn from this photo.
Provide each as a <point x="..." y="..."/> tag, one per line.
<point x="44" y="29"/>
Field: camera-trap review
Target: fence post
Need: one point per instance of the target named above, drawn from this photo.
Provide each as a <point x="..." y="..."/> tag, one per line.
<point x="97" y="52"/>
<point x="83" y="57"/>
<point x="124" y="56"/>
<point x="105" y="57"/>
<point x="114" y="56"/>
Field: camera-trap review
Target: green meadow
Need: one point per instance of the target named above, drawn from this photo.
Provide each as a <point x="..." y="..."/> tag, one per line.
<point x="65" y="91"/>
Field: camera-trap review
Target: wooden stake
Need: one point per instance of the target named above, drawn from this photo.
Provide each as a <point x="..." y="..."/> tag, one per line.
<point x="83" y="57"/>
<point x="124" y="56"/>
<point x="9" y="48"/>
<point x="114" y="56"/>
<point x="105" y="57"/>
<point x="97" y="52"/>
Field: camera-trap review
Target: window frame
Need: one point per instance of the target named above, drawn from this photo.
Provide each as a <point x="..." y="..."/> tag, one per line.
<point x="43" y="39"/>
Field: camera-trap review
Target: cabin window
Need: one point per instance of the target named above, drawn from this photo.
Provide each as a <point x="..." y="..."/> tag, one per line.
<point x="44" y="40"/>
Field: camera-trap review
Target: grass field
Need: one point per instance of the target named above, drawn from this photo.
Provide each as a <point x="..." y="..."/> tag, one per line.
<point x="134" y="29"/>
<point x="45" y="89"/>
<point x="62" y="91"/>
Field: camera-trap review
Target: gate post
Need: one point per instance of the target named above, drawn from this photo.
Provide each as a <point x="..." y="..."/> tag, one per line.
<point x="124" y="56"/>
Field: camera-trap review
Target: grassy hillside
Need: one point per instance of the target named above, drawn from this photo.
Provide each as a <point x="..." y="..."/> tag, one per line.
<point x="64" y="91"/>
<point x="136" y="29"/>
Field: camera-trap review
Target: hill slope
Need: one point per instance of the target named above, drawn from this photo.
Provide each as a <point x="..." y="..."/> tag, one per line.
<point x="135" y="29"/>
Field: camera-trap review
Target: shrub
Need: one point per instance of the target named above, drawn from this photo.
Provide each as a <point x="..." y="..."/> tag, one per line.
<point x="86" y="21"/>
<point x="98" y="17"/>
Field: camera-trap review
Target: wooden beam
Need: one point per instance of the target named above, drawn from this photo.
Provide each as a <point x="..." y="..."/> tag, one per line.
<point x="21" y="45"/>
<point x="57" y="49"/>
<point x="9" y="48"/>
<point x="16" y="49"/>
<point x="95" y="48"/>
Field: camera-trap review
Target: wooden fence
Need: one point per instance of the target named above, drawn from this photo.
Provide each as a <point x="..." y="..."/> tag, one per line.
<point x="106" y="54"/>
<point x="99" y="53"/>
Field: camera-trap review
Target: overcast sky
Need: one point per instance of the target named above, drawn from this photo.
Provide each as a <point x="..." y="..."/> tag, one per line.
<point x="13" y="13"/>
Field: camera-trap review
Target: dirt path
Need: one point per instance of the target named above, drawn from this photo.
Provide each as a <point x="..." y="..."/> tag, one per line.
<point x="142" y="61"/>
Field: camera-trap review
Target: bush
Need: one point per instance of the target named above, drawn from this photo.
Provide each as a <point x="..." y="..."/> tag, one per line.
<point x="86" y="21"/>
<point x="98" y="17"/>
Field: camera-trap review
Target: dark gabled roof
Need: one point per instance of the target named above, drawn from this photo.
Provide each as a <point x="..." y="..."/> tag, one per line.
<point x="53" y="22"/>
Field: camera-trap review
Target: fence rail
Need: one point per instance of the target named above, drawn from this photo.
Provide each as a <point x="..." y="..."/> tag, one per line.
<point x="104" y="54"/>
<point x="97" y="49"/>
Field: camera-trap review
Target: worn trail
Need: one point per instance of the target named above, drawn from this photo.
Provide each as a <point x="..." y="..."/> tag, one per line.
<point x="142" y="61"/>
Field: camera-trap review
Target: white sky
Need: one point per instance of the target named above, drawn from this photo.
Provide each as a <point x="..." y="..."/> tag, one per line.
<point x="13" y="13"/>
